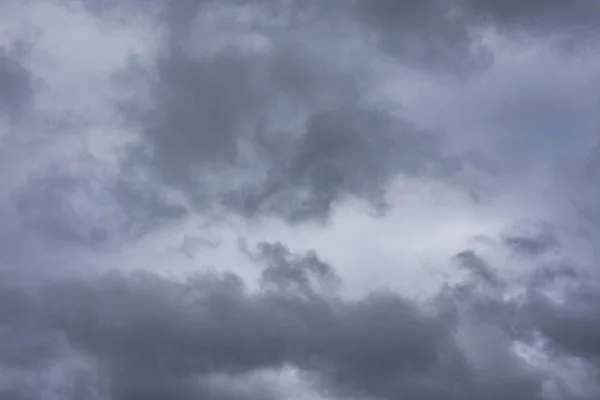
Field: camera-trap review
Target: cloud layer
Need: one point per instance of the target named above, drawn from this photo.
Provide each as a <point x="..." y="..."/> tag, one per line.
<point x="141" y="335"/>
<point x="280" y="199"/>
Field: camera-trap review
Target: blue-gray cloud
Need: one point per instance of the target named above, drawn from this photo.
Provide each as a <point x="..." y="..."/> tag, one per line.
<point x="149" y="336"/>
<point x="272" y="113"/>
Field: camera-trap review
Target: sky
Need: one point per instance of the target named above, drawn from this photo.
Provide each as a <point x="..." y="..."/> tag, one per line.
<point x="285" y="199"/>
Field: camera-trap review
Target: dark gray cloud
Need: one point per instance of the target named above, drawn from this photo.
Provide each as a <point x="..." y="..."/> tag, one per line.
<point x="283" y="132"/>
<point x="16" y="84"/>
<point x="447" y="33"/>
<point x="210" y="120"/>
<point x="45" y="206"/>
<point x="589" y="201"/>
<point x="428" y="34"/>
<point x="298" y="273"/>
<point x="469" y="260"/>
<point x="575" y="19"/>
<point x="351" y="151"/>
<point x="542" y="240"/>
<point x="546" y="275"/>
<point x="288" y="130"/>
<point x="445" y="36"/>
<point x="266" y="109"/>
<point x="571" y="326"/>
<point x="81" y="208"/>
<point x="210" y="132"/>
<point x="142" y="209"/>
<point x="150" y="337"/>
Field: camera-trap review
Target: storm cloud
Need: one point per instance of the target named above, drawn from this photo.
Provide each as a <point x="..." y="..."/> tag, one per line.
<point x="143" y="335"/>
<point x="281" y="199"/>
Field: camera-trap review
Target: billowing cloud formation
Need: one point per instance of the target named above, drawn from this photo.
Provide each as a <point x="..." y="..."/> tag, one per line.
<point x="216" y="129"/>
<point x="243" y="107"/>
<point x="166" y="165"/>
<point x="139" y="335"/>
<point x="236" y="120"/>
<point x="480" y="269"/>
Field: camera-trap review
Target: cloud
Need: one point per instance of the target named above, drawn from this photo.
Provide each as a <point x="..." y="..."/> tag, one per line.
<point x="165" y="130"/>
<point x="570" y="325"/>
<point x="209" y="129"/>
<point x="537" y="17"/>
<point x="532" y="245"/>
<point x="44" y="206"/>
<point x="479" y="267"/>
<point x="82" y="208"/>
<point x="430" y="34"/>
<point x="151" y="335"/>
<point x="140" y="334"/>
<point x="284" y="268"/>
<point x="451" y="33"/>
<point x="268" y="119"/>
<point x="16" y="84"/>
<point x="348" y="152"/>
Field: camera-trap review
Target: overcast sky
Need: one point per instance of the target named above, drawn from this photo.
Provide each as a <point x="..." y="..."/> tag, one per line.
<point x="299" y="199"/>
